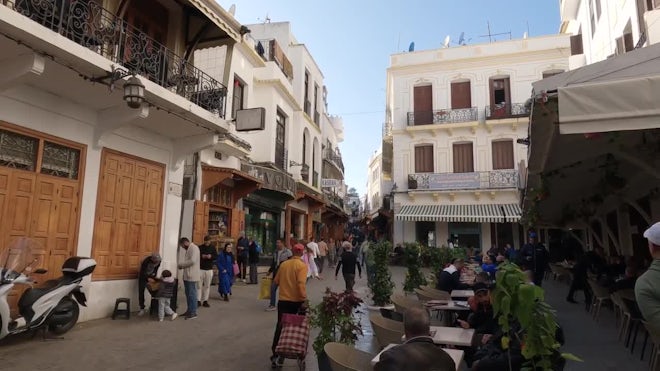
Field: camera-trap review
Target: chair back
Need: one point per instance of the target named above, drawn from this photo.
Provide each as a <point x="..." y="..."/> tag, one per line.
<point x="387" y="331"/>
<point x="423" y="295"/>
<point x="401" y="303"/>
<point x="390" y="314"/>
<point x="438" y="294"/>
<point x="598" y="290"/>
<point x="432" y="294"/>
<point x="345" y="358"/>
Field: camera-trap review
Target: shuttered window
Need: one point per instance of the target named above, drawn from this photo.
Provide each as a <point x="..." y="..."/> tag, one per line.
<point x="463" y="158"/>
<point x="503" y="154"/>
<point x="423" y="103"/>
<point x="424" y="158"/>
<point x="461" y="96"/>
<point x="576" y="45"/>
<point x="237" y="102"/>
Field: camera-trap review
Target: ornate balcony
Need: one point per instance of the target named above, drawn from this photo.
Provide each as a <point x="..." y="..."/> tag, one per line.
<point x="443" y="116"/>
<point x="90" y="25"/>
<point x="315" y="179"/>
<point x="464" y="181"/>
<point x="334" y="157"/>
<point x="506" y="111"/>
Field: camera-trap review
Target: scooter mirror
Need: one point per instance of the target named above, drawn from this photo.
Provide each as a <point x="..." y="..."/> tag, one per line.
<point x="41" y="271"/>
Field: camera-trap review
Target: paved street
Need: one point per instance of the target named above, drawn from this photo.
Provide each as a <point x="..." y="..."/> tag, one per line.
<point x="237" y="335"/>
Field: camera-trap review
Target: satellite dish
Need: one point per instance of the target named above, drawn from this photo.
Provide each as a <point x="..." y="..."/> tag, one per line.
<point x="411" y="47"/>
<point x="525" y="35"/>
<point x="232" y="9"/>
<point x="447" y="40"/>
<point x="461" y="39"/>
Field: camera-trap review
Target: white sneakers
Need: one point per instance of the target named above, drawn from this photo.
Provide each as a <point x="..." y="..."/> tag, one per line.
<point x="174" y="315"/>
<point x="141" y="312"/>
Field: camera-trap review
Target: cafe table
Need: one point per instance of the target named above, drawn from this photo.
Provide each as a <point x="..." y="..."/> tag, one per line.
<point x="447" y="306"/>
<point x="455" y="354"/>
<point x="457" y="336"/>
<point x="462" y="293"/>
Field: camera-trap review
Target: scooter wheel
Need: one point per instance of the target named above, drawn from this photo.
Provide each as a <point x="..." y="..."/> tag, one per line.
<point x="65" y="305"/>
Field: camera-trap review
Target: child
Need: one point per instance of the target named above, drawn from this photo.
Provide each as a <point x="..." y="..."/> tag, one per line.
<point x="164" y="295"/>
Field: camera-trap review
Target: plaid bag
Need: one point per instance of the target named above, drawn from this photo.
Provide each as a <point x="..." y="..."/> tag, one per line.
<point x="294" y="336"/>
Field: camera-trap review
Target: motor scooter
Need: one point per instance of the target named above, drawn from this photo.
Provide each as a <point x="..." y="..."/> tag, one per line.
<point x="53" y="306"/>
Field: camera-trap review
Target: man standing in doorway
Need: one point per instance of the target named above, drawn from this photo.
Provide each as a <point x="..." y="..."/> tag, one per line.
<point x="208" y="254"/>
<point x="347" y="263"/>
<point x="323" y="252"/>
<point x="190" y="265"/>
<point x="281" y="255"/>
<point x="291" y="278"/>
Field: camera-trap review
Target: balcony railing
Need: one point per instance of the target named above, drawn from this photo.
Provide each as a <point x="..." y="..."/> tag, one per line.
<point x="506" y="110"/>
<point x="317" y="117"/>
<point x="315" y="179"/>
<point x="271" y="51"/>
<point x="444" y="116"/>
<point x="90" y="25"/>
<point x="304" y="173"/>
<point x="387" y="130"/>
<point x="334" y="156"/>
<point x="334" y="199"/>
<point x="464" y="181"/>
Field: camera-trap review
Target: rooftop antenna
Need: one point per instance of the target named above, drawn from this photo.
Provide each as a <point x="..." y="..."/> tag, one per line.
<point x="266" y="20"/>
<point x="447" y="40"/>
<point x="461" y="39"/>
<point x="490" y="35"/>
<point x="525" y="35"/>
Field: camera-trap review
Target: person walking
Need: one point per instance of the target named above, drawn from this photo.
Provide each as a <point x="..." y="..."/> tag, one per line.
<point x="190" y="265"/>
<point x="308" y="259"/>
<point x="291" y="278"/>
<point x="207" y="256"/>
<point x="332" y="253"/>
<point x="347" y="263"/>
<point x="534" y="256"/>
<point x="282" y="254"/>
<point x="148" y="271"/>
<point x="323" y="253"/>
<point x="225" y="263"/>
<point x="242" y="255"/>
<point x="253" y="259"/>
<point x="315" y="250"/>
<point x="164" y="295"/>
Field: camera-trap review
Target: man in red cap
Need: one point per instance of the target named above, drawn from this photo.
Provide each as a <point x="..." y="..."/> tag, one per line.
<point x="291" y="278"/>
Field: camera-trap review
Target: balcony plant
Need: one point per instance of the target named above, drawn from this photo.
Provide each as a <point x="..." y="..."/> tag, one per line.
<point x="414" y="276"/>
<point x="335" y="317"/>
<point x="380" y="284"/>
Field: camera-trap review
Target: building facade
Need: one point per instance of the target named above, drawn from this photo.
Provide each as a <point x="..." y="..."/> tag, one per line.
<point x="454" y="117"/>
<point x="93" y="171"/>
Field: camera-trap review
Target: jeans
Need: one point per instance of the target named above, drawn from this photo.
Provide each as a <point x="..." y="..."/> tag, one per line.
<point x="320" y="264"/>
<point x="349" y="279"/>
<point x="284" y="306"/>
<point x="142" y="285"/>
<point x="164" y="308"/>
<point x="253" y="273"/>
<point x="204" y="285"/>
<point x="273" y="294"/>
<point x="191" y="296"/>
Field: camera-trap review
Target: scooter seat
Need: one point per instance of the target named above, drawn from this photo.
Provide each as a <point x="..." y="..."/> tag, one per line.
<point x="33" y="294"/>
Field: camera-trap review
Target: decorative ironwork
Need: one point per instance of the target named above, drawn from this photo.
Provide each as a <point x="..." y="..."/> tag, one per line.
<point x="60" y="161"/>
<point x="506" y="110"/>
<point x="334" y="199"/>
<point x="641" y="41"/>
<point x="18" y="151"/>
<point x="387" y="130"/>
<point x="445" y="116"/>
<point x="334" y="157"/>
<point x="463" y="181"/>
<point x="88" y="24"/>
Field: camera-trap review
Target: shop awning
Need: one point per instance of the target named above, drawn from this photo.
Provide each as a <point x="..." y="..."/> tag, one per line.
<point x="314" y="199"/>
<point x="494" y="213"/>
<point x="244" y="183"/>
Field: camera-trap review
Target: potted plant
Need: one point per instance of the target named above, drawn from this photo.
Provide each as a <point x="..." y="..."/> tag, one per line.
<point x="381" y="283"/>
<point x="414" y="276"/>
<point x="335" y="318"/>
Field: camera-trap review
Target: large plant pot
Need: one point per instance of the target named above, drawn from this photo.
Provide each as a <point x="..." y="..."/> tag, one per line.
<point x="324" y="362"/>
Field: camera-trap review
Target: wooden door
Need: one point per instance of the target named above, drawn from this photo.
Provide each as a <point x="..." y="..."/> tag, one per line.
<point x="423" y="105"/>
<point x="461" y="95"/>
<point x="463" y="158"/>
<point x="128" y="214"/>
<point x="424" y="158"/>
<point x="502" y="154"/>
<point x="200" y="221"/>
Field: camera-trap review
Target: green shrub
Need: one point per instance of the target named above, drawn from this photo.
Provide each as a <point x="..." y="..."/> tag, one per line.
<point x="381" y="281"/>
<point x="414" y="277"/>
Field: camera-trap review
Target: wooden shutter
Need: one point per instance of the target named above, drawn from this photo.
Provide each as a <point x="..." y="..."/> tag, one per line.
<point x="424" y="159"/>
<point x="463" y="158"/>
<point x="237" y="223"/>
<point x="576" y="45"/>
<point x="461" y="96"/>
<point x="628" y="42"/>
<point x="200" y="221"/>
<point x="423" y="103"/>
<point x="503" y="154"/>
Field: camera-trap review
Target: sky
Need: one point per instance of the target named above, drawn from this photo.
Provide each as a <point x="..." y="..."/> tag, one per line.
<point x="351" y="41"/>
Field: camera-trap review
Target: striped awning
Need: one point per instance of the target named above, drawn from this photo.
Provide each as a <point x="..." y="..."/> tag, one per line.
<point x="495" y="213"/>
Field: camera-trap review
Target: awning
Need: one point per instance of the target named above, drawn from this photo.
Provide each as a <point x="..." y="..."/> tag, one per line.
<point x="619" y="93"/>
<point x="244" y="183"/>
<point x="493" y="213"/>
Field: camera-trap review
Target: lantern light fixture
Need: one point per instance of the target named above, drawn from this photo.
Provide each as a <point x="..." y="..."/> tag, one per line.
<point x="134" y="92"/>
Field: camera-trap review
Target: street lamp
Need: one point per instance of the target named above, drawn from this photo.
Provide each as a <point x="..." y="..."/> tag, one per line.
<point x="134" y="92"/>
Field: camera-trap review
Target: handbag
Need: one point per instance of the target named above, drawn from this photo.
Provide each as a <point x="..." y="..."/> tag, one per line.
<point x="294" y="336"/>
<point x="236" y="270"/>
<point x="264" y="289"/>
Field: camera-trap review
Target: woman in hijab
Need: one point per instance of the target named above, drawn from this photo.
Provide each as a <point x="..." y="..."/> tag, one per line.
<point x="225" y="265"/>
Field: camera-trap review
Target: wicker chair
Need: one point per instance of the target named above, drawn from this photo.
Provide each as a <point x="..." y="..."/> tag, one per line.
<point x="387" y="331"/>
<point x="436" y="294"/>
<point x="600" y="295"/>
<point x="654" y="333"/>
<point x="345" y="358"/>
<point x="401" y="303"/>
<point x="390" y="314"/>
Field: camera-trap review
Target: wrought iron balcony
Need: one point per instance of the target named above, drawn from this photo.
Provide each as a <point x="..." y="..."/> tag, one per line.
<point x="493" y="179"/>
<point x="334" y="157"/>
<point x="443" y="116"/>
<point x="334" y="199"/>
<point x="387" y="130"/>
<point x="317" y="118"/>
<point x="270" y="51"/>
<point x="90" y="25"/>
<point x="506" y="111"/>
<point x="315" y="179"/>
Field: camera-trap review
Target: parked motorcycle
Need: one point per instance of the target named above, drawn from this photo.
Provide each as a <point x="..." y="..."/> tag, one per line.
<point x="54" y="305"/>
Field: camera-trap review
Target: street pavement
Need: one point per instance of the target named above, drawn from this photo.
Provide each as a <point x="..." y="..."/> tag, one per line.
<point x="237" y="336"/>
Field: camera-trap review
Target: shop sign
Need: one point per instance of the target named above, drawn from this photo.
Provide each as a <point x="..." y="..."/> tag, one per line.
<point x="330" y="183"/>
<point x="275" y="180"/>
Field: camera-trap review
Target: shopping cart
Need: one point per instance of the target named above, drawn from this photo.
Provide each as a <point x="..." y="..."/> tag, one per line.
<point x="294" y="338"/>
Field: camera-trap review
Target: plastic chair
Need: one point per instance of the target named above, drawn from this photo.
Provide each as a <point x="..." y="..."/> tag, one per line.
<point x="387" y="331"/>
<point x="345" y="358"/>
<point x="390" y="314"/>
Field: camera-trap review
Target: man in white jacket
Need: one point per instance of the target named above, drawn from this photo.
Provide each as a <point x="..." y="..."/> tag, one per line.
<point x="190" y="265"/>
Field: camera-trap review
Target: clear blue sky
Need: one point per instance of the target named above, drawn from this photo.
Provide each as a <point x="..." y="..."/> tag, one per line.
<point x="352" y="40"/>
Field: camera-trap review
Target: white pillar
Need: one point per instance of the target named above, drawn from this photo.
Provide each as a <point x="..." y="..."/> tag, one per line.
<point x="515" y="227"/>
<point x="485" y="236"/>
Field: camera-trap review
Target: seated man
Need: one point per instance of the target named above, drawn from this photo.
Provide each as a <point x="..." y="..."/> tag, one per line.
<point x="449" y="279"/>
<point x="481" y="317"/>
<point x="418" y="353"/>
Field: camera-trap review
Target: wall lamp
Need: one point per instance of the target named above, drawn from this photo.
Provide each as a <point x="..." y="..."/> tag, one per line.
<point x="133" y="88"/>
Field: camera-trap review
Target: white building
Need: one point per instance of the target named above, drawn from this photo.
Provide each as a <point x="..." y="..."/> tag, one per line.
<point x="379" y="184"/>
<point x="80" y="171"/>
<point x="455" y="116"/>
<point x="602" y="29"/>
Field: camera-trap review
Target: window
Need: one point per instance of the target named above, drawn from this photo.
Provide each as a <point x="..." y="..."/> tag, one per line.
<point x="424" y="158"/>
<point x="499" y="91"/>
<point x="624" y="43"/>
<point x="598" y="9"/>
<point x="308" y="106"/>
<point x="316" y="104"/>
<point x="502" y="154"/>
<point x="461" y="96"/>
<point x="423" y="105"/>
<point x="60" y="161"/>
<point x="652" y="4"/>
<point x="463" y="158"/>
<point x="239" y="96"/>
<point x="576" y="45"/>
<point x="18" y="151"/>
<point x="592" y="17"/>
<point x="280" y="136"/>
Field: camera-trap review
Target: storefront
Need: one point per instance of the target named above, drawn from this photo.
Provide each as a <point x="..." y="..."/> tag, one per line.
<point x="303" y="218"/>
